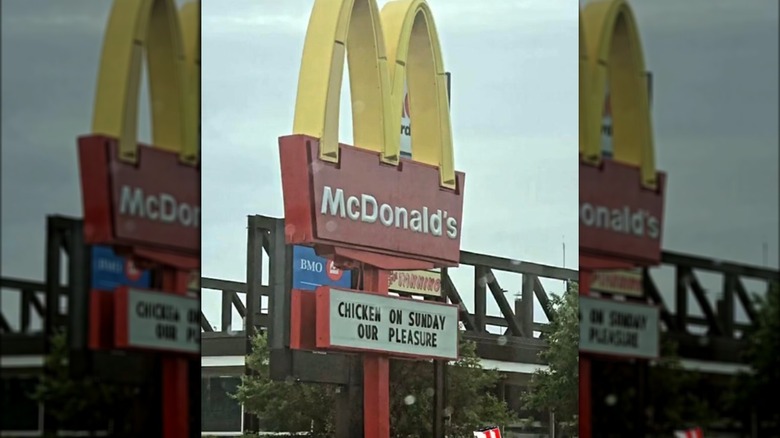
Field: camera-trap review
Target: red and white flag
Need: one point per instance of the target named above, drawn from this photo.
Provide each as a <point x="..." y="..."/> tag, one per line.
<point x="690" y="433"/>
<point x="488" y="433"/>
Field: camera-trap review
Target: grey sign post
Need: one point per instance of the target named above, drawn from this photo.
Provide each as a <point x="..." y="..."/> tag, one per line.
<point x="618" y="328"/>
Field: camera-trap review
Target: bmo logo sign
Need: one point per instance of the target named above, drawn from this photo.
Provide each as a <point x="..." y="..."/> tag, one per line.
<point x="132" y="273"/>
<point x="329" y="268"/>
<point x="333" y="272"/>
<point x="311" y="271"/>
<point x="110" y="271"/>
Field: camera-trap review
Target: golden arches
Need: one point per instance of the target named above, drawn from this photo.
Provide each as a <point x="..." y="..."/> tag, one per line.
<point x="585" y="116"/>
<point x="614" y="53"/>
<point x="190" y="26"/>
<point x="135" y="25"/>
<point x="381" y="52"/>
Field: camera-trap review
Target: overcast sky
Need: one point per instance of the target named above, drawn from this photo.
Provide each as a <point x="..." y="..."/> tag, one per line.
<point x="50" y="55"/>
<point x="715" y="109"/>
<point x="715" y="114"/>
<point x="514" y="108"/>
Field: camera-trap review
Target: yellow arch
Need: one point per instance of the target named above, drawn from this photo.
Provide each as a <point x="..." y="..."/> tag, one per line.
<point x="614" y="52"/>
<point x="584" y="89"/>
<point x="381" y="52"/>
<point x="135" y="25"/>
<point x="190" y="24"/>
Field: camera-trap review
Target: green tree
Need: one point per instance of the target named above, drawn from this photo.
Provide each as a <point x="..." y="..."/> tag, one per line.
<point x="672" y="398"/>
<point x="86" y="402"/>
<point x="284" y="406"/>
<point x="293" y="406"/>
<point x="753" y="390"/>
<point x="674" y="395"/>
<point x="471" y="404"/>
<point x="556" y="389"/>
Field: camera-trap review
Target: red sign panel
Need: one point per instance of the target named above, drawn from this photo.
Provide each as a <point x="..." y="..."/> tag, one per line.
<point x="154" y="203"/>
<point x="363" y="204"/>
<point x="619" y="219"/>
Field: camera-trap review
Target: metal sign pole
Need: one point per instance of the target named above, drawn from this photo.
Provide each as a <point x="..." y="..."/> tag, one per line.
<point x="439" y="397"/>
<point x="175" y="370"/>
<point x="552" y="424"/>
<point x="376" y="371"/>
<point x="439" y="376"/>
<point x="254" y="276"/>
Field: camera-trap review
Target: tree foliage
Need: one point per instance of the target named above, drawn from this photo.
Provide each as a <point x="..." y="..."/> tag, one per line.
<point x="284" y="406"/>
<point x="673" y="394"/>
<point x="471" y="404"/>
<point x="287" y="406"/>
<point x="556" y="388"/>
<point x="86" y="402"/>
<point x="763" y="354"/>
<point x="675" y="398"/>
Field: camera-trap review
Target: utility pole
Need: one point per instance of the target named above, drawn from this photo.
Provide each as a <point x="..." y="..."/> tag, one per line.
<point x="552" y="423"/>
<point x="565" y="282"/>
<point x="766" y="254"/>
<point x="766" y="264"/>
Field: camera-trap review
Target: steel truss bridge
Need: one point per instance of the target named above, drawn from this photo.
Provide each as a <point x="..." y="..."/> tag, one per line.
<point x="711" y="341"/>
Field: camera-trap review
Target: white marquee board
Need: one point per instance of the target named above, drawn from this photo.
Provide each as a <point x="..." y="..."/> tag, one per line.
<point x="361" y="321"/>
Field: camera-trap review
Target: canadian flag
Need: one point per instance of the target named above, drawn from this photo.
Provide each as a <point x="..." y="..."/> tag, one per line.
<point x="488" y="433"/>
<point x="690" y="433"/>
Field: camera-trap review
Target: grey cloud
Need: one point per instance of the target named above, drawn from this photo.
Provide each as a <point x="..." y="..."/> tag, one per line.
<point x="50" y="56"/>
<point x="47" y="98"/>
<point x="715" y="112"/>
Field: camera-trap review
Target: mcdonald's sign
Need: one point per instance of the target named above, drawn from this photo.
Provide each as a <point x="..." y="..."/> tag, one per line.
<point x="139" y="195"/>
<point x="621" y="197"/>
<point x="367" y="202"/>
<point x="136" y="195"/>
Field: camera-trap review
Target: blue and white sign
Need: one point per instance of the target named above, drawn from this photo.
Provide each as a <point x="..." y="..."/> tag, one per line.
<point x="110" y="271"/>
<point x="311" y="271"/>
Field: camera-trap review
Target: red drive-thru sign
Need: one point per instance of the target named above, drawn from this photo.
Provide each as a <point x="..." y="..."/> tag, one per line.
<point x="365" y="206"/>
<point x="144" y="201"/>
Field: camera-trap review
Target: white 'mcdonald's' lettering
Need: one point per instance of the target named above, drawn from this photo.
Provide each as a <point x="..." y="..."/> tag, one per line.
<point x="366" y="208"/>
<point x="639" y="223"/>
<point x="161" y="207"/>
